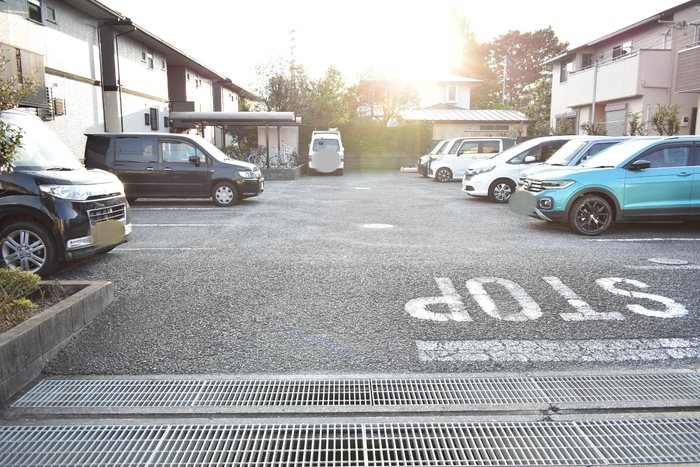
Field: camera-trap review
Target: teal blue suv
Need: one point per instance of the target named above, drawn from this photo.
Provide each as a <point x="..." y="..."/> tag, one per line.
<point x="638" y="180"/>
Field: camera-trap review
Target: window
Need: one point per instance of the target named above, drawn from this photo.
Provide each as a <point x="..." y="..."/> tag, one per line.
<point x="149" y="58"/>
<point x="177" y="151"/>
<point x="586" y="61"/>
<point x="470" y="147"/>
<point x="147" y="119"/>
<point x="493" y="127"/>
<point x="143" y="56"/>
<point x="491" y="147"/>
<point x="541" y="152"/>
<point x="622" y="50"/>
<point x="595" y="149"/>
<point x="188" y="76"/>
<point x="136" y="150"/>
<point x="162" y="64"/>
<point x="678" y="156"/>
<point x="154" y="118"/>
<point x="566" y="68"/>
<point x="51" y="14"/>
<point x="34" y="10"/>
<point x="451" y="93"/>
<point x="320" y="144"/>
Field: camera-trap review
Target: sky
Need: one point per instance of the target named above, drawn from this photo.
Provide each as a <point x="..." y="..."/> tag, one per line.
<point x="402" y="38"/>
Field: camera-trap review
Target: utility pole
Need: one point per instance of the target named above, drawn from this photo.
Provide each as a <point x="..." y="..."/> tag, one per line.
<point x="595" y="89"/>
<point x="505" y="78"/>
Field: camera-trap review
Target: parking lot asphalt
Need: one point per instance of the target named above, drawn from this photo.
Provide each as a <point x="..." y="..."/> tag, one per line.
<point x="384" y="272"/>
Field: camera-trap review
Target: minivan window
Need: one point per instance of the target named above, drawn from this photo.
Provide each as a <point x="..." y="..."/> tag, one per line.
<point x="564" y="155"/>
<point x="541" y="152"/>
<point x="136" y="150"/>
<point x="178" y="151"/>
<point x="326" y="144"/>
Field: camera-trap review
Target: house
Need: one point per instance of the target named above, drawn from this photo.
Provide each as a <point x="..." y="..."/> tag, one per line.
<point x="445" y="103"/>
<point x="653" y="62"/>
<point x="98" y="71"/>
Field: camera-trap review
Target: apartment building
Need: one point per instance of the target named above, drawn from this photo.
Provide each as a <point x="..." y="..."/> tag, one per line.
<point x="653" y="62"/>
<point x="97" y="70"/>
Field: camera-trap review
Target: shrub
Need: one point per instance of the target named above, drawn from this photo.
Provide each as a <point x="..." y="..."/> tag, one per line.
<point x="15" y="287"/>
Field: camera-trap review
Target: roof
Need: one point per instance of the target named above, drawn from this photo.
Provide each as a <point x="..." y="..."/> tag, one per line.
<point x="236" y="118"/>
<point x="124" y="24"/>
<point x="663" y="15"/>
<point x="450" y="115"/>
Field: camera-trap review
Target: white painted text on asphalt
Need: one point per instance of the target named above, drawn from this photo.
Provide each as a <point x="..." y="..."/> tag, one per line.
<point x="529" y="308"/>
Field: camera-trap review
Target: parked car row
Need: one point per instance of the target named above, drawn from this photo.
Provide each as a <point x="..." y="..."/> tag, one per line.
<point x="54" y="209"/>
<point x="591" y="181"/>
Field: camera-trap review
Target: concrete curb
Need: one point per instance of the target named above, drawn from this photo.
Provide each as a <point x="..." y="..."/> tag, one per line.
<point x="28" y="347"/>
<point x="283" y="174"/>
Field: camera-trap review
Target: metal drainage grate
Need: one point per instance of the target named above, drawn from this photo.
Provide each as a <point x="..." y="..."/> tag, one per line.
<point x="413" y="444"/>
<point x="105" y="393"/>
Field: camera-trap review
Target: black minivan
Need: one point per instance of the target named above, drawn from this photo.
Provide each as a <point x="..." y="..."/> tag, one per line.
<point x="168" y="165"/>
<point x="53" y="209"/>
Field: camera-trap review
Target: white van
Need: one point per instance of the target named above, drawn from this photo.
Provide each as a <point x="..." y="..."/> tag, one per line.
<point x="326" y="152"/>
<point x="451" y="166"/>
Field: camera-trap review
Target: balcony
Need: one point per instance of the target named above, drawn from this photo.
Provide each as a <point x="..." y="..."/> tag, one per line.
<point x="688" y="73"/>
<point x="624" y="77"/>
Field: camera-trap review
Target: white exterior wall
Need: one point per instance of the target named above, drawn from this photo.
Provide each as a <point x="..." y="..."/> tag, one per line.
<point x="437" y="93"/>
<point x="289" y="138"/>
<point x="641" y="81"/>
<point x="229" y="101"/>
<point x="69" y="46"/>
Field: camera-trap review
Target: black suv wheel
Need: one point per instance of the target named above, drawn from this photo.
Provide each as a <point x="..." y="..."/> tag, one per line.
<point x="28" y="246"/>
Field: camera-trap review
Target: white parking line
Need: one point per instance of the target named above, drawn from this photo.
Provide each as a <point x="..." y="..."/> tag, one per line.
<point x="594" y="350"/>
<point x="175" y="209"/>
<point x="165" y="249"/>
<point x="662" y="268"/>
<point x="652" y="239"/>
<point x="181" y="225"/>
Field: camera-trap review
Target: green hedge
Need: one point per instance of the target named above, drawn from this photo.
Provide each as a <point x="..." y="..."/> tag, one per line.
<point x="363" y="137"/>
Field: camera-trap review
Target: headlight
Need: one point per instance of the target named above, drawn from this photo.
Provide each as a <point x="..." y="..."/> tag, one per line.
<point x="481" y="170"/>
<point x="556" y="184"/>
<point x="83" y="192"/>
<point x="247" y="174"/>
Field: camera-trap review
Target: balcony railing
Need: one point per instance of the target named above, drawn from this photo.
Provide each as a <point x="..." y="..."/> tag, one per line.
<point x="624" y="76"/>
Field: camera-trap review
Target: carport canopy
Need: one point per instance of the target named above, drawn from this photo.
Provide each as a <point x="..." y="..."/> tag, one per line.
<point x="185" y="119"/>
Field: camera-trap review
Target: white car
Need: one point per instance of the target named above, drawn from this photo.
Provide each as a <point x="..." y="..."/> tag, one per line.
<point x="497" y="176"/>
<point x="446" y="167"/>
<point x="424" y="161"/>
<point x="326" y="152"/>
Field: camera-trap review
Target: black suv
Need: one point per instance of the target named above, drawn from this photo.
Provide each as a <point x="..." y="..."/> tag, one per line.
<point x="166" y="165"/>
<point x="51" y="208"/>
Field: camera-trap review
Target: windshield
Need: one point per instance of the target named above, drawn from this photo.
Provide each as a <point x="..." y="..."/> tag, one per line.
<point x="438" y="147"/>
<point x="210" y="148"/>
<point x="516" y="150"/>
<point x="617" y="154"/>
<point x="567" y="152"/>
<point x="40" y="148"/>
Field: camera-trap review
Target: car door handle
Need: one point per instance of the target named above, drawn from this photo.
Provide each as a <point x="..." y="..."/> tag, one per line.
<point x="150" y="168"/>
<point x="167" y="169"/>
<point x="684" y="174"/>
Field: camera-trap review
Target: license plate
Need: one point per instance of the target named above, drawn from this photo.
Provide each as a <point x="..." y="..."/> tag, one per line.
<point x="108" y="233"/>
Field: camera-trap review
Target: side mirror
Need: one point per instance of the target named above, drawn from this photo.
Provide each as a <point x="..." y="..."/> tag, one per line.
<point x="529" y="159"/>
<point x="194" y="160"/>
<point x="640" y="164"/>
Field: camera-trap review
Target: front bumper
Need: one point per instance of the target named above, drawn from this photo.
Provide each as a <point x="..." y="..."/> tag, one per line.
<point x="251" y="186"/>
<point x="86" y="228"/>
<point x="423" y="169"/>
<point x="475" y="185"/>
<point x="527" y="203"/>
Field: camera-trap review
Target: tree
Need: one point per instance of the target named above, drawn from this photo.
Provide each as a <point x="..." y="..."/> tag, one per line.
<point x="284" y="88"/>
<point x="637" y="128"/>
<point x="329" y="102"/>
<point x="384" y="98"/>
<point x="594" y="129"/>
<point x="539" y="98"/>
<point x="520" y="57"/>
<point x="13" y="89"/>
<point x="666" y="120"/>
